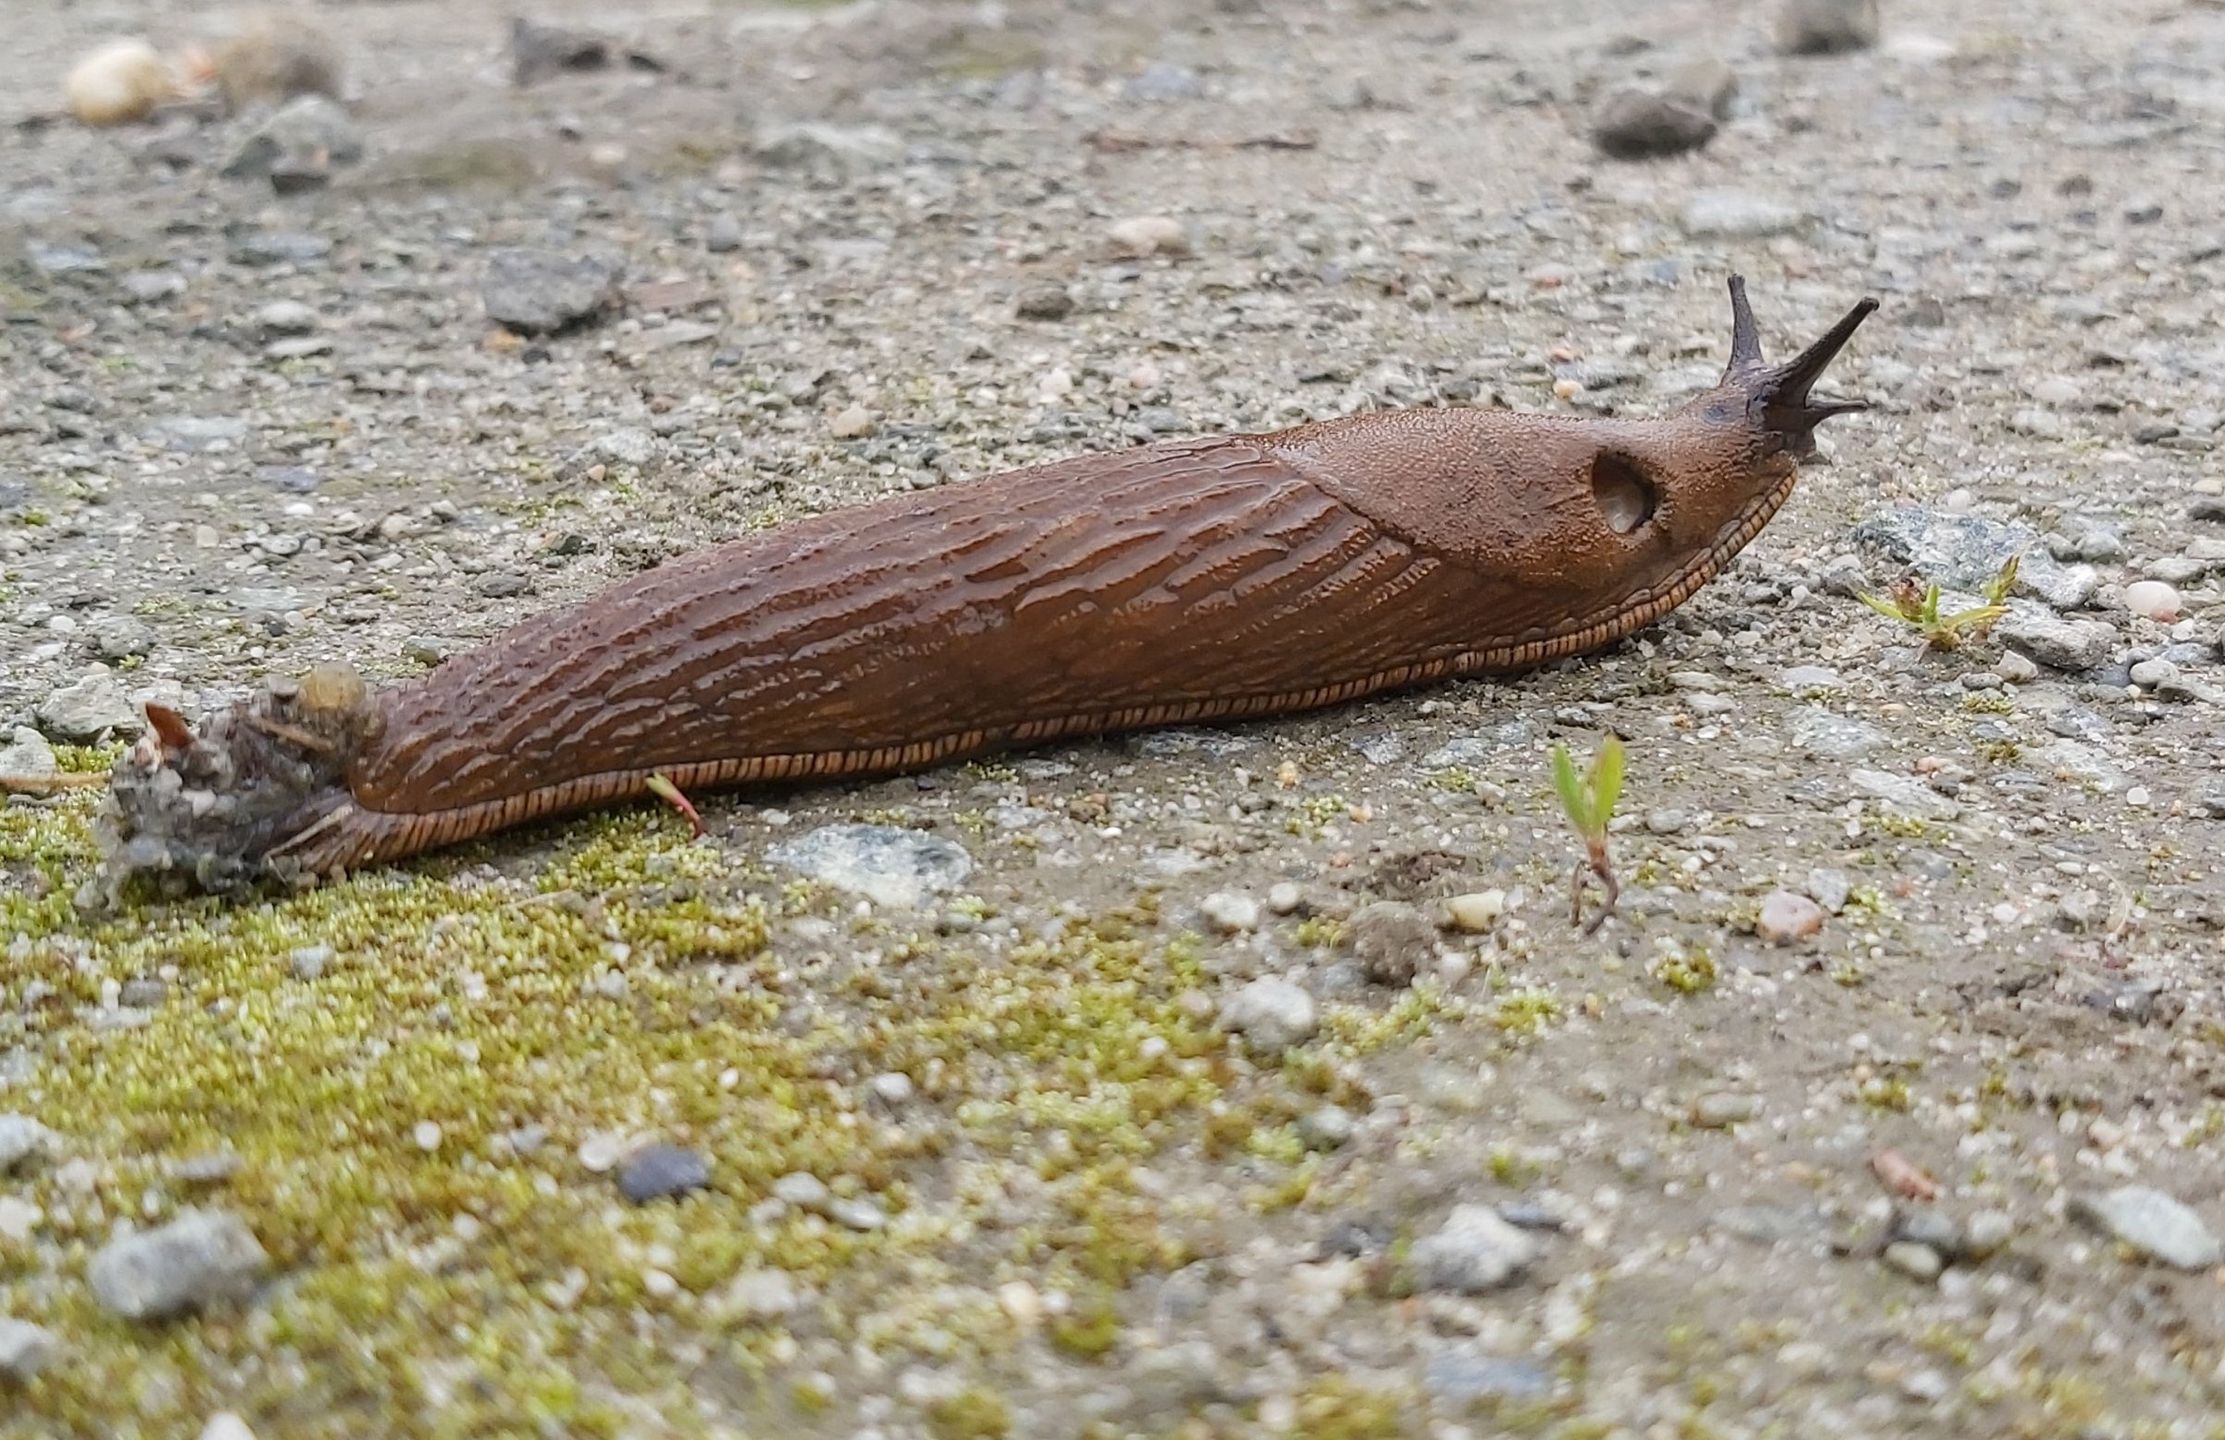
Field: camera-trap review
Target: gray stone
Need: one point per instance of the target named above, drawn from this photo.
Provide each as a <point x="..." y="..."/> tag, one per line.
<point x="93" y="706"/>
<point x="1825" y="27"/>
<point x="1806" y="679"/>
<point x="1379" y="747"/>
<point x="624" y="446"/>
<point x="193" y="434"/>
<point x="1736" y="215"/>
<point x="285" y="317"/>
<point x="1905" y="795"/>
<point x="1475" y="749"/>
<point x="1831" y="736"/>
<point x="279" y="247"/>
<point x="1768" y="1224"/>
<point x="22" y="1140"/>
<point x="2153" y="674"/>
<point x="891" y="867"/>
<point x="307" y="136"/>
<point x="1930" y="1227"/>
<point x="657" y="1172"/>
<point x="723" y="235"/>
<point x="2154" y="1224"/>
<point x="202" y="1258"/>
<point x="145" y="287"/>
<point x="1326" y="1128"/>
<point x="2052" y="640"/>
<point x="26" y="1349"/>
<point x="1162" y="81"/>
<point x="1050" y="301"/>
<point x="309" y="961"/>
<point x="1964" y="552"/>
<point x="1271" y="1014"/>
<point x="1829" y="888"/>
<point x="1476" y="1251"/>
<point x="540" y="292"/>
<point x="821" y="147"/>
<point x="28" y="755"/>
<point x="1635" y="124"/>
<point x="122" y="637"/>
<point x="1467" y="1375"/>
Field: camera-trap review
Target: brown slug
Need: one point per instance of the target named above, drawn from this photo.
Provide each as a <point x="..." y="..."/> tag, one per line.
<point x="1203" y="580"/>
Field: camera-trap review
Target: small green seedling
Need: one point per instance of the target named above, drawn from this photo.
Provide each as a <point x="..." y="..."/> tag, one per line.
<point x="1590" y="803"/>
<point x="1920" y="608"/>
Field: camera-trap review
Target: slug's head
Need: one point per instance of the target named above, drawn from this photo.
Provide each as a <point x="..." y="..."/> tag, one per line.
<point x="1696" y="488"/>
<point x="219" y="809"/>
<point x="1779" y="405"/>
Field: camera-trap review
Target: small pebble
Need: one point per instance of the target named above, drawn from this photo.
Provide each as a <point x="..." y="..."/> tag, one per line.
<point x="427" y="1136"/>
<point x="26" y="1349"/>
<point x="1477" y="912"/>
<point x="857" y="1214"/>
<point x="1829" y="888"/>
<point x="601" y="1152"/>
<point x="202" y="1258"/>
<point x="1230" y="914"/>
<point x="1271" y="1014"/>
<point x="2154" y="1224"/>
<point x="853" y="423"/>
<point x="1285" y="898"/>
<point x="762" y="1295"/>
<point x="1918" y="1262"/>
<point x="1326" y="1128"/>
<point x="1143" y="235"/>
<point x="804" y="1191"/>
<point x="1475" y="1251"/>
<point x="1787" y="917"/>
<point x="1719" y="1110"/>
<point x="660" y="1171"/>
<point x="1044" y="302"/>
<point x="1635" y="124"/>
<point x="22" y="1140"/>
<point x="308" y="962"/>
<point x="2155" y="600"/>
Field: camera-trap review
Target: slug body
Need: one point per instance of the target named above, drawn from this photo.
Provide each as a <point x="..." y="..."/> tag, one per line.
<point x="1205" y="580"/>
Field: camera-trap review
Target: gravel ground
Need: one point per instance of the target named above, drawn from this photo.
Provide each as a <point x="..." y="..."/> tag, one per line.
<point x="1211" y="1083"/>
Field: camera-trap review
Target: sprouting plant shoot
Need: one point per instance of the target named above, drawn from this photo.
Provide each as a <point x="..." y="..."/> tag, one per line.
<point x="1910" y="605"/>
<point x="1589" y="801"/>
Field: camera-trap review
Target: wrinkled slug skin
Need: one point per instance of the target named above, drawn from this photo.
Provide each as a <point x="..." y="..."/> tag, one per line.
<point x="1173" y="584"/>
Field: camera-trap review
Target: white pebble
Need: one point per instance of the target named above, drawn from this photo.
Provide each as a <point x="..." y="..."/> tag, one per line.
<point x="2154" y="599"/>
<point x="598" y="1153"/>
<point x="1230" y="914"/>
<point x="428" y="1136"/>
<point x="1151" y="235"/>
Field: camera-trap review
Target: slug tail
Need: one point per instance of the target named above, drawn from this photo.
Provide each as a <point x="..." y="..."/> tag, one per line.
<point x="1779" y="396"/>
<point x="221" y="808"/>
